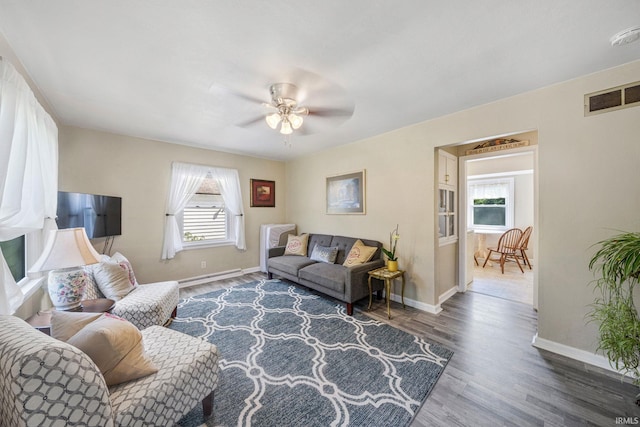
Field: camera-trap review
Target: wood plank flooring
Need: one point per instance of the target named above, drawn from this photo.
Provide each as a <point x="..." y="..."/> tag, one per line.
<point x="496" y="377"/>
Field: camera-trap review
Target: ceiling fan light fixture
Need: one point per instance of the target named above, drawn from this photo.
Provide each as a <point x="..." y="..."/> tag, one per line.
<point x="273" y="120"/>
<point x="285" y="129"/>
<point x="295" y="120"/>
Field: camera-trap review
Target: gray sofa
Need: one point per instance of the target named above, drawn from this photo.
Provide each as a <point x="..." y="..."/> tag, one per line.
<point x="348" y="284"/>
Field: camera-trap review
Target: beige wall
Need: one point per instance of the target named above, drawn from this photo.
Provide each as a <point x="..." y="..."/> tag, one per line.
<point x="139" y="171"/>
<point x="588" y="185"/>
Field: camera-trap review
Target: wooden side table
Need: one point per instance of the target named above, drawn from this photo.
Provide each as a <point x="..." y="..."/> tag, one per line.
<point x="42" y="319"/>
<point x="388" y="277"/>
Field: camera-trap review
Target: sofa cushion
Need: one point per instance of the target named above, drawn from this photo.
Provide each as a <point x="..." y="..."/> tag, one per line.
<point x="297" y="245"/>
<point x="124" y="263"/>
<point x="65" y="324"/>
<point x="318" y="239"/>
<point x="331" y="276"/>
<point x="324" y="254"/>
<point x="289" y="264"/>
<point x="150" y="304"/>
<point x="359" y="254"/>
<point x="116" y="347"/>
<point x="113" y="280"/>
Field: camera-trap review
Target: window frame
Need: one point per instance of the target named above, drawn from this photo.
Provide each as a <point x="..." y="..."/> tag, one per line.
<point x="509" y="204"/>
<point x="227" y="241"/>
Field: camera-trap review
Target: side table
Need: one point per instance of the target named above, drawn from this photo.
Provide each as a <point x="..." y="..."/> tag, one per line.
<point x="42" y="319"/>
<point x="388" y="277"/>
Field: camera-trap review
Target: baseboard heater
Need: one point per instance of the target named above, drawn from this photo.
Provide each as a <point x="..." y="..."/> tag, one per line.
<point x="198" y="280"/>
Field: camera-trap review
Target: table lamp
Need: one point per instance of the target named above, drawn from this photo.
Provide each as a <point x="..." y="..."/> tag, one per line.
<point x="65" y="253"/>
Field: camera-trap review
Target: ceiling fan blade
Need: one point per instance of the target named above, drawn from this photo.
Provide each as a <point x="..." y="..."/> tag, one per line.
<point x="223" y="91"/>
<point x="250" y="122"/>
<point x="331" y="112"/>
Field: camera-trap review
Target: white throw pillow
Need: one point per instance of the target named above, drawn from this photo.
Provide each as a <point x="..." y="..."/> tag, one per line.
<point x="112" y="280"/>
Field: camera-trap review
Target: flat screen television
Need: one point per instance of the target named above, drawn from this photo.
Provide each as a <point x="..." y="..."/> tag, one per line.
<point x="101" y="216"/>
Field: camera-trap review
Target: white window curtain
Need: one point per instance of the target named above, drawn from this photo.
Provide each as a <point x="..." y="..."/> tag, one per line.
<point x="229" y="184"/>
<point x="488" y="190"/>
<point x="185" y="181"/>
<point x="28" y="174"/>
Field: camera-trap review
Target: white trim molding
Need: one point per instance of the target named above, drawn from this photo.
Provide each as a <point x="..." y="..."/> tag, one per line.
<point x="574" y="353"/>
<point x="433" y="309"/>
<point x="207" y="278"/>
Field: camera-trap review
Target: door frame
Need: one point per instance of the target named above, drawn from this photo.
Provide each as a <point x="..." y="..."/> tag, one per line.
<point x="462" y="215"/>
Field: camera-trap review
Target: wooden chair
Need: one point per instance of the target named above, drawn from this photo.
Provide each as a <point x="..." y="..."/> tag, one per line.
<point x="507" y="248"/>
<point x="523" y="246"/>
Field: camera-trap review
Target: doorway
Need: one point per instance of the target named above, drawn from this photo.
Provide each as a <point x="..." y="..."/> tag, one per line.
<point x="509" y="178"/>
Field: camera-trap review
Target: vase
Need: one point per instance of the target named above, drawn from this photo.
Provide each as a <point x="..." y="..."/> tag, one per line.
<point x="66" y="287"/>
<point x="392" y="265"/>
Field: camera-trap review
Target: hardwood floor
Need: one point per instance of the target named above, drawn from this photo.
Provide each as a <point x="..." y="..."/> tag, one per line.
<point x="496" y="377"/>
<point x="512" y="285"/>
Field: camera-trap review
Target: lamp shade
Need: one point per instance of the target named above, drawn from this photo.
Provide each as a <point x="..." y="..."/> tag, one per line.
<point x="64" y="249"/>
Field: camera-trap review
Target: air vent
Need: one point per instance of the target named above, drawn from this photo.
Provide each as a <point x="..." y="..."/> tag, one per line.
<point x="612" y="99"/>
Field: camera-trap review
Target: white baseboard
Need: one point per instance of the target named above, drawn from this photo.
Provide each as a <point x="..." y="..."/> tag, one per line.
<point x="573" y="353"/>
<point x="433" y="309"/>
<point x="207" y="278"/>
<point x="451" y="292"/>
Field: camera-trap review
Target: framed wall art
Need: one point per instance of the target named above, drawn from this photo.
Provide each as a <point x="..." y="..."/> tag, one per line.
<point x="263" y="193"/>
<point x="346" y="193"/>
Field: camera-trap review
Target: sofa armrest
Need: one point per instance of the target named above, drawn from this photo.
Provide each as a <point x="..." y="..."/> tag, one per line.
<point x="358" y="273"/>
<point x="277" y="251"/>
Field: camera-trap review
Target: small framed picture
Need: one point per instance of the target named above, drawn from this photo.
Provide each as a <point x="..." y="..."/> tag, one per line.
<point x="346" y="193"/>
<point x="263" y="193"/>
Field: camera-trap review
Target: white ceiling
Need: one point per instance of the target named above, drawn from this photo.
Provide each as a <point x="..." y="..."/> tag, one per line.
<point x="179" y="71"/>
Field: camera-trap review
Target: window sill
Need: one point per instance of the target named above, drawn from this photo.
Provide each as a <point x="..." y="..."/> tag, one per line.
<point x="31" y="286"/>
<point x="194" y="245"/>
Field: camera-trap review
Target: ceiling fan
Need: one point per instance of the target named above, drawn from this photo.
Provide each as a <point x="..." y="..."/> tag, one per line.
<point x="285" y="113"/>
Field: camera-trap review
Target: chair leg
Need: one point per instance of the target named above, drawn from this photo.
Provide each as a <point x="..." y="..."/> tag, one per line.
<point x="526" y="258"/>
<point x="503" y="258"/>
<point x="518" y="262"/>
<point x="207" y="405"/>
<point x="174" y="313"/>
<point x="349" y="309"/>
<point x="487" y="258"/>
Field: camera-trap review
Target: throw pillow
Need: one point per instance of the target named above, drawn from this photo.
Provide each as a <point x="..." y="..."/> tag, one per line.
<point x="112" y="280"/>
<point x="65" y="324"/>
<point x="297" y="245"/>
<point x="124" y="263"/>
<point x="116" y="347"/>
<point x="324" y="253"/>
<point x="359" y="254"/>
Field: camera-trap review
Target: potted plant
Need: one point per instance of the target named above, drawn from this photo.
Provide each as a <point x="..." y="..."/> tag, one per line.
<point x="618" y="263"/>
<point x="392" y="264"/>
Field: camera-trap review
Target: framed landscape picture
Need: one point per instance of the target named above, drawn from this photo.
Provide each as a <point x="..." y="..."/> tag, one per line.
<point x="346" y="193"/>
<point x="263" y="193"/>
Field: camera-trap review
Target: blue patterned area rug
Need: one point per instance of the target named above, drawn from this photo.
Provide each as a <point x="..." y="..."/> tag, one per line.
<point x="292" y="358"/>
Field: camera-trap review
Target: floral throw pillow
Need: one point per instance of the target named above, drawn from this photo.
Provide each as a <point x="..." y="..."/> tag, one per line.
<point x="359" y="254"/>
<point x="297" y="245"/>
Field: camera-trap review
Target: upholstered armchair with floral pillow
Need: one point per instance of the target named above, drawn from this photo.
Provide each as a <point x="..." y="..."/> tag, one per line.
<point x="142" y="305"/>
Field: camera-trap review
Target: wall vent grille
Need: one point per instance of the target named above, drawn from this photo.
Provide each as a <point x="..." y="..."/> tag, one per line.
<point x="612" y="99"/>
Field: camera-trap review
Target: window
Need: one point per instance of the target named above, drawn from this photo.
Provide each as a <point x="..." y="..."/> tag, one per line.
<point x="204" y="219"/>
<point x="491" y="204"/>
<point x="447" y="216"/>
<point x="15" y="256"/>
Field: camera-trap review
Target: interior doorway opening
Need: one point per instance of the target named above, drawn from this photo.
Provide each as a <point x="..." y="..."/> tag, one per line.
<point x="497" y="191"/>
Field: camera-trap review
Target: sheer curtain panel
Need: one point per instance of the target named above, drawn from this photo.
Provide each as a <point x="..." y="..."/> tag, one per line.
<point x="28" y="173"/>
<point x="229" y="183"/>
<point x="185" y="180"/>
